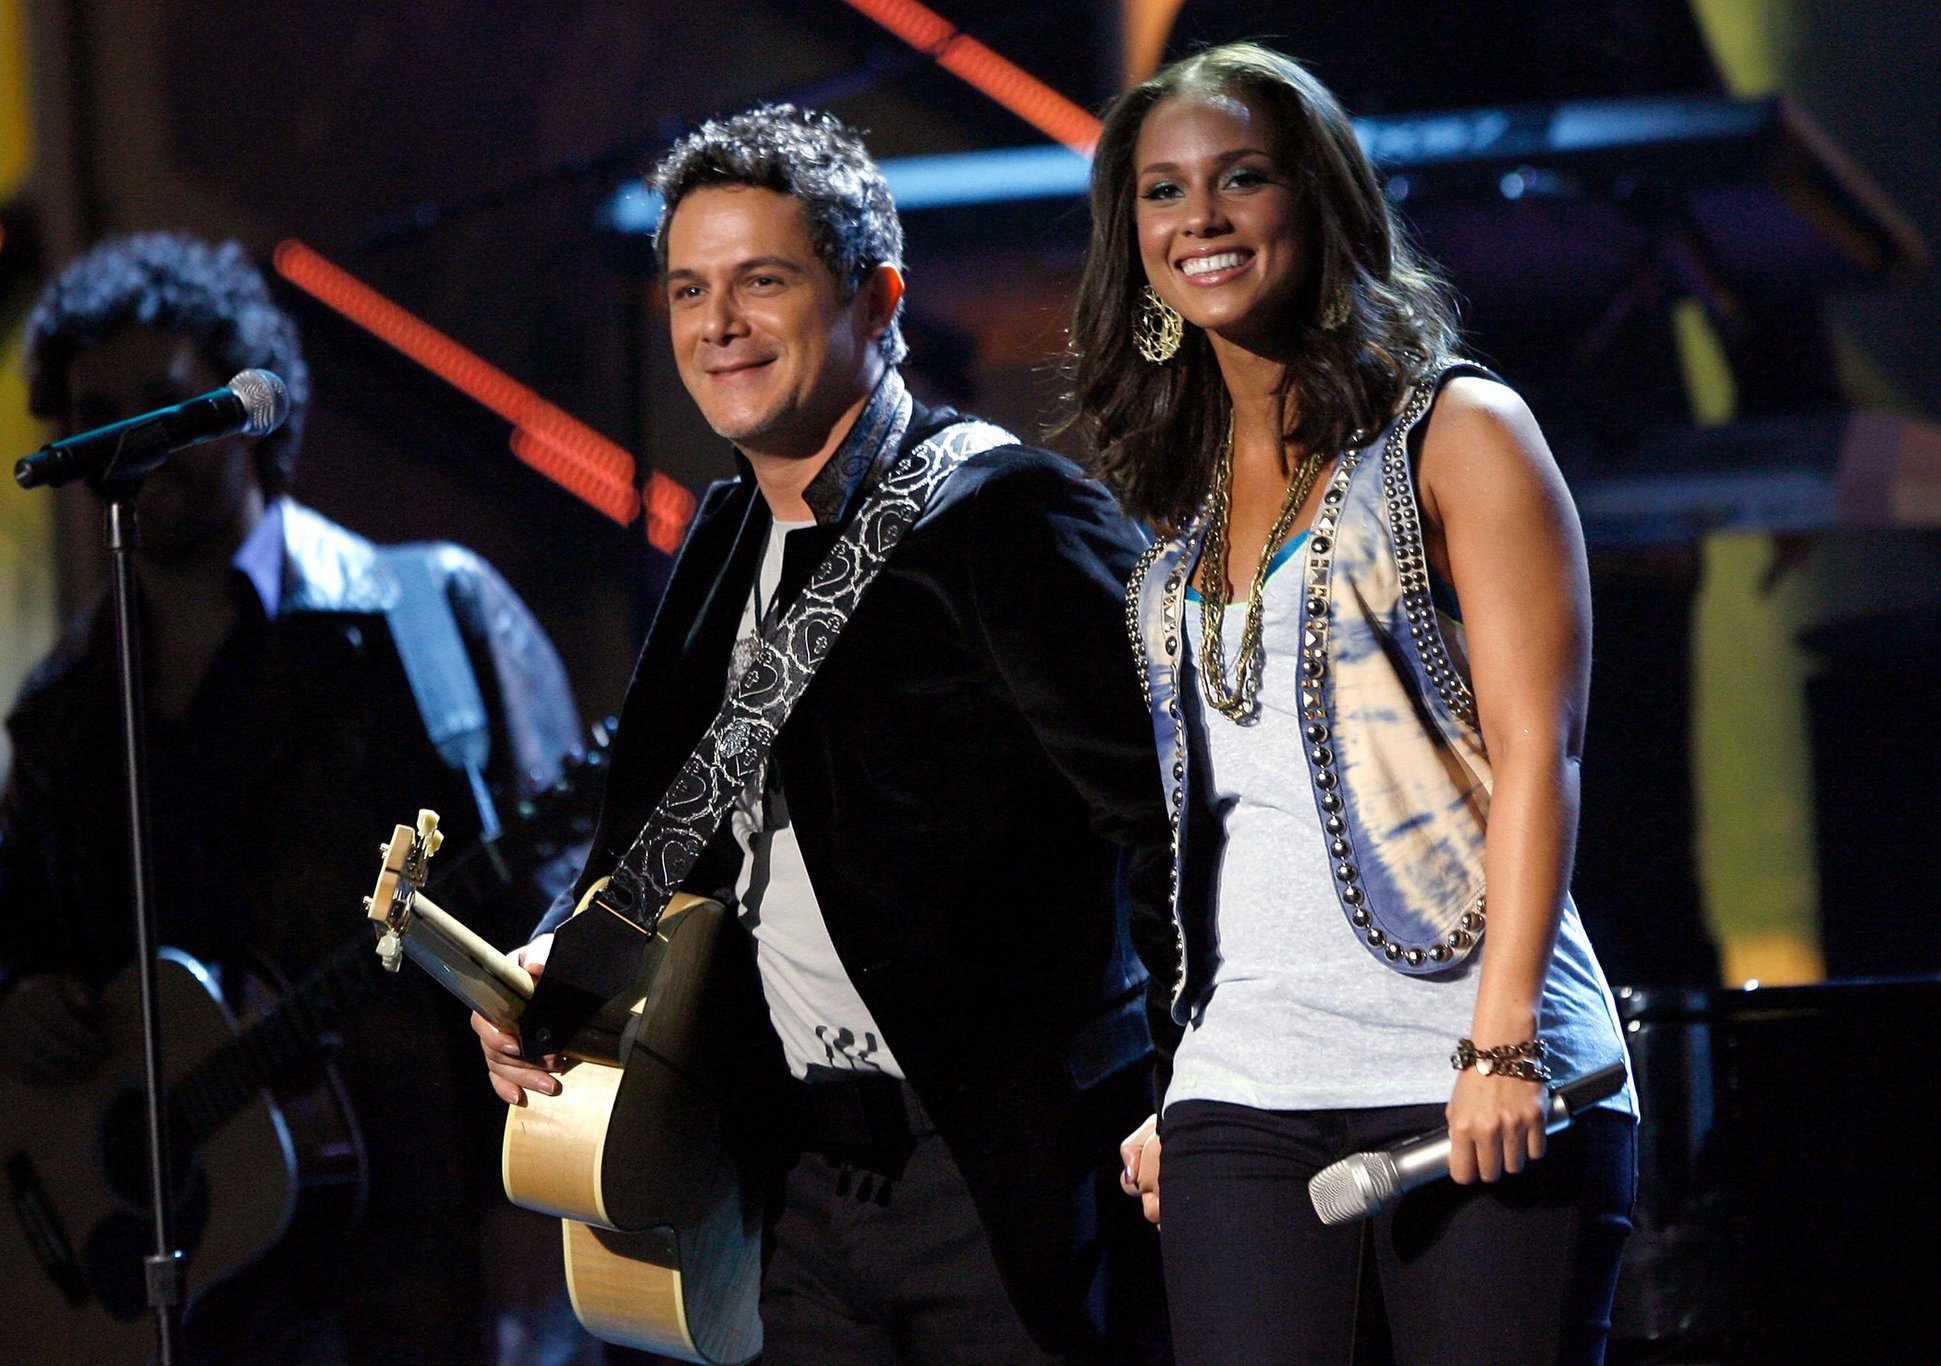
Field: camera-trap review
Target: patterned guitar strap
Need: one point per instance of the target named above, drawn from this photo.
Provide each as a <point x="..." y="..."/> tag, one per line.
<point x="731" y="755"/>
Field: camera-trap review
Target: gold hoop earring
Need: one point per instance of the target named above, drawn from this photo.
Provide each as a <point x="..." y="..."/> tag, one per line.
<point x="1157" y="328"/>
<point x="1335" y="315"/>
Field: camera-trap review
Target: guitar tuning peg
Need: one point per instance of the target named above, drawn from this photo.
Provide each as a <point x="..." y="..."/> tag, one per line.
<point x="367" y="903"/>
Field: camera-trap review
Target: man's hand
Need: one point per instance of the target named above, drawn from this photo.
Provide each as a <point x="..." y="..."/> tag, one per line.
<point x="1140" y="1153"/>
<point x="512" y="1076"/>
<point x="49" y="1028"/>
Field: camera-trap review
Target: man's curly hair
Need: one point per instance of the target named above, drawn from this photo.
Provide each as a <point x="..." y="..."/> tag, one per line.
<point x="813" y="157"/>
<point x="171" y="282"/>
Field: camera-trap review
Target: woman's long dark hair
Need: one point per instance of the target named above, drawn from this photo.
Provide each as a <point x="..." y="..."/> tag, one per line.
<point x="1155" y="431"/>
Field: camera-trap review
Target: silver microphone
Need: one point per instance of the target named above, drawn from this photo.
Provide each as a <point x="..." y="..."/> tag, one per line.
<point x="1364" y="1184"/>
<point x="254" y="403"/>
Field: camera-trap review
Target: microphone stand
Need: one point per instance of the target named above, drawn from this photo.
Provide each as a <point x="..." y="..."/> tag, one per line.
<point x="163" y="1269"/>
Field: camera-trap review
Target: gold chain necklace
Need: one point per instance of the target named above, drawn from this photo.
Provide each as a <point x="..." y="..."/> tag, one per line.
<point x="1238" y="701"/>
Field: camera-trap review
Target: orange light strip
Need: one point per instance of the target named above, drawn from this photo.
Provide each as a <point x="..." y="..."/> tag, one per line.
<point x="573" y="473"/>
<point x="547" y="437"/>
<point x="998" y="77"/>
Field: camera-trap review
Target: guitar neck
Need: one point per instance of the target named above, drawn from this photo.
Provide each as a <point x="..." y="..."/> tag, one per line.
<point x="279" y="1046"/>
<point x="285" y="1041"/>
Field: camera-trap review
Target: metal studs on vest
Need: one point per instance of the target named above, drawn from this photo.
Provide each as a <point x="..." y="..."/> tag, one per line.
<point x="1405" y="529"/>
<point x="1134" y="591"/>
<point x="1317" y="725"/>
<point x="1398" y="509"/>
<point x="1139" y="571"/>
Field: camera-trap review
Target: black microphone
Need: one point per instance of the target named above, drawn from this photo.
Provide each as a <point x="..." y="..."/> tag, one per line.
<point x="1364" y="1184"/>
<point x="254" y="403"/>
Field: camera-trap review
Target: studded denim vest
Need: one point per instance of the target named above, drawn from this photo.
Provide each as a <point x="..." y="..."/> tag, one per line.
<point x="1395" y="757"/>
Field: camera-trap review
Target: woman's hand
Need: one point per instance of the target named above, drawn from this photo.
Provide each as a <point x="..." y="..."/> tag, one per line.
<point x="511" y="1075"/>
<point x="1496" y="1125"/>
<point x="1140" y="1153"/>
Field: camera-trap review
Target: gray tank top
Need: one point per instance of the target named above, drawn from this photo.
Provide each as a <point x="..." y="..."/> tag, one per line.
<point x="1301" y="1016"/>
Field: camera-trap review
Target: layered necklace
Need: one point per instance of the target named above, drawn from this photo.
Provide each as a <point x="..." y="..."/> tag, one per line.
<point x="1237" y="701"/>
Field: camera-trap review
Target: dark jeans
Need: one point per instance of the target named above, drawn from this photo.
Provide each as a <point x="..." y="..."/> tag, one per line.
<point x="893" y="1267"/>
<point x="1518" y="1271"/>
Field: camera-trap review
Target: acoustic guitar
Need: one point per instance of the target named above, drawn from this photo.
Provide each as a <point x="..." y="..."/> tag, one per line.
<point x="261" y="1139"/>
<point x="662" y="1243"/>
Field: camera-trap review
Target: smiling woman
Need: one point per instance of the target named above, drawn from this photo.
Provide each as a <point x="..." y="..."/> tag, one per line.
<point x="1269" y="143"/>
<point x="1216" y="210"/>
<point x="1266" y="372"/>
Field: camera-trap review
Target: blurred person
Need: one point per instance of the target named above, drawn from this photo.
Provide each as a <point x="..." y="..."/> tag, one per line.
<point x="284" y="737"/>
<point x="937" y="867"/>
<point x="1365" y="632"/>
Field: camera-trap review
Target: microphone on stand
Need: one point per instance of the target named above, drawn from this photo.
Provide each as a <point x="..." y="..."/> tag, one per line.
<point x="254" y="403"/>
<point x="1364" y="1184"/>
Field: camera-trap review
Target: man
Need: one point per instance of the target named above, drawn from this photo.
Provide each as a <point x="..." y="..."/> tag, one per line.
<point x="957" y="822"/>
<point x="283" y="658"/>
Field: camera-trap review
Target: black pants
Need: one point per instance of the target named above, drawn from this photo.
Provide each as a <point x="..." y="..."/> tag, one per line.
<point x="872" y="1266"/>
<point x="1517" y="1271"/>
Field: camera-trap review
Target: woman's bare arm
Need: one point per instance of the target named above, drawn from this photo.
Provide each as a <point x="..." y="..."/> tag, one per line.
<point x="1502" y="524"/>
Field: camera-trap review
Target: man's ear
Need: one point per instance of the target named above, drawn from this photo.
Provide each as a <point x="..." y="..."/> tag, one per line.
<point x="881" y="292"/>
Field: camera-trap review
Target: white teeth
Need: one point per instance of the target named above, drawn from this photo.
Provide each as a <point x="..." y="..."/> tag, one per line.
<point x="1204" y="265"/>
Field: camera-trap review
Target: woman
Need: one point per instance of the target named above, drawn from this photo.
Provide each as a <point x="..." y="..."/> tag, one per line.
<point x="1365" y="636"/>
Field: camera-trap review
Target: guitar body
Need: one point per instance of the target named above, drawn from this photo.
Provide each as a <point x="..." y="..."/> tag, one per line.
<point x="663" y="1248"/>
<point x="73" y="1158"/>
<point x="663" y="1245"/>
<point x="270" y="1138"/>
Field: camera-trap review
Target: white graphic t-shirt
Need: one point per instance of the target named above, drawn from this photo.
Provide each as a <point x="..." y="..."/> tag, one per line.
<point x="812" y="1003"/>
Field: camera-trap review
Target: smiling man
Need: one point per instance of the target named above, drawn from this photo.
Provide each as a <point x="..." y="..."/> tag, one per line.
<point x="956" y="832"/>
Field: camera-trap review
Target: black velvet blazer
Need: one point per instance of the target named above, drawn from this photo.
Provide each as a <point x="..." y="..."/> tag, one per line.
<point x="972" y="781"/>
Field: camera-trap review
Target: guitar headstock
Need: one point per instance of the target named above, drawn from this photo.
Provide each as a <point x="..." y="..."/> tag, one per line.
<point x="544" y="829"/>
<point x="405" y="858"/>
